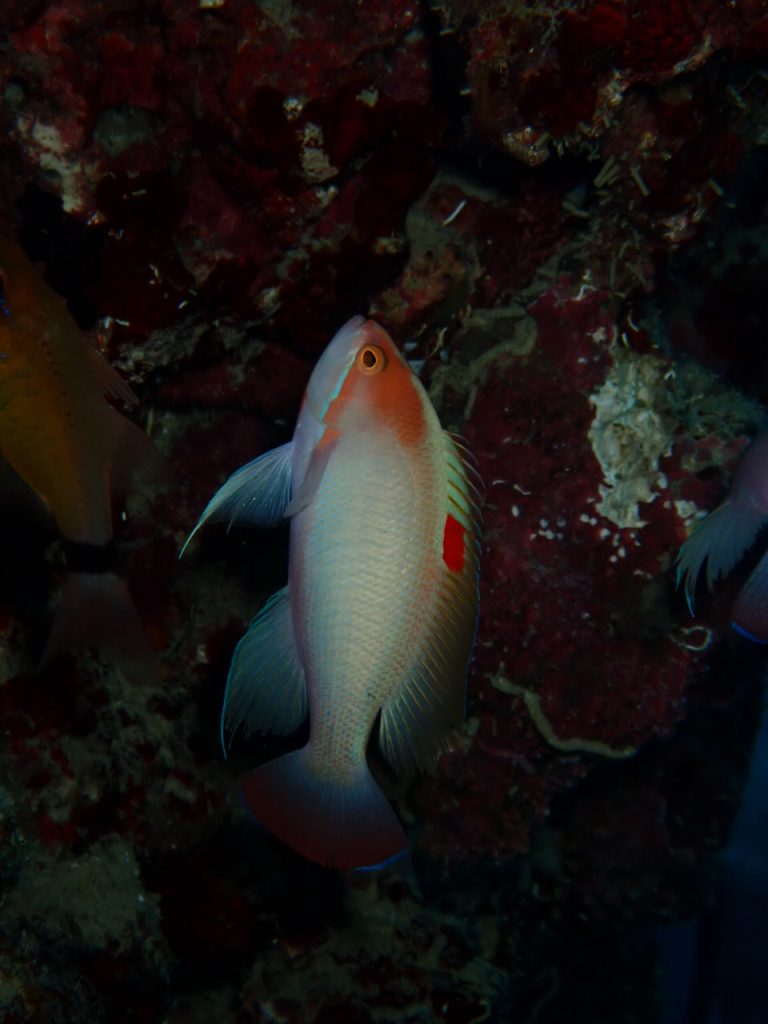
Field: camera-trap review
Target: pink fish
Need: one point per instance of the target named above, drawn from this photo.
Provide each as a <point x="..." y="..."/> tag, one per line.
<point x="375" y="629"/>
<point x="725" y="536"/>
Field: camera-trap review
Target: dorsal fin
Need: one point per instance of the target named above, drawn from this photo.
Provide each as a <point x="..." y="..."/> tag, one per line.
<point x="428" y="707"/>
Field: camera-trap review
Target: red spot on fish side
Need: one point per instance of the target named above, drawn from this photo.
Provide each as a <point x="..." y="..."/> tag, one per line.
<point x="453" y="544"/>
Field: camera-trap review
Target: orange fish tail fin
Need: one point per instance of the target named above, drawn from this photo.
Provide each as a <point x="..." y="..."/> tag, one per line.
<point x="96" y="608"/>
<point x="344" y="824"/>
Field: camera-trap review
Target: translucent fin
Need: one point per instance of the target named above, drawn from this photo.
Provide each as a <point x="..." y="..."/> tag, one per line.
<point x="256" y="495"/>
<point x="97" y="609"/>
<point x="720" y="540"/>
<point x="428" y="708"/>
<point x="382" y="865"/>
<point x="110" y="381"/>
<point x="342" y="822"/>
<point x="266" y="691"/>
<point x="750" y="612"/>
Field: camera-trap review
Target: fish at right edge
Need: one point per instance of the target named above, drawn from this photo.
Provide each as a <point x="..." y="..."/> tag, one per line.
<point x="724" y="537"/>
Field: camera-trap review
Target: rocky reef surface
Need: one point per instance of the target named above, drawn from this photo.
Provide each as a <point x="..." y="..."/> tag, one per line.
<point x="557" y="209"/>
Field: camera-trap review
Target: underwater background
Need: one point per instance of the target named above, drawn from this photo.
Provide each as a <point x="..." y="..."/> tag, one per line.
<point x="558" y="211"/>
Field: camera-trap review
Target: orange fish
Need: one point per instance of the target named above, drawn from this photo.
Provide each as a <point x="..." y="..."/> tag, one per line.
<point x="64" y="439"/>
<point x="374" y="631"/>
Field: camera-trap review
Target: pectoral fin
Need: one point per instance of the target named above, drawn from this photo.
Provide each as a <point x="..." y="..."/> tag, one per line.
<point x="720" y="540"/>
<point x="256" y="495"/>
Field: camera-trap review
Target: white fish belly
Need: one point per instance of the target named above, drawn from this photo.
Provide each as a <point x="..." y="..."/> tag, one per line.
<point x="362" y="556"/>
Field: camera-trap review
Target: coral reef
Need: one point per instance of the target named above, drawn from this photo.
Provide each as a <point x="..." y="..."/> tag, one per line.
<point x="556" y="208"/>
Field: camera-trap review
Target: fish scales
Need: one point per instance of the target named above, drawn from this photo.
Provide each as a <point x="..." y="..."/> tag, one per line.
<point x="362" y="582"/>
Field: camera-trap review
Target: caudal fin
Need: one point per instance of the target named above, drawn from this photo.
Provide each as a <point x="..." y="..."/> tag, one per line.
<point x="96" y="608"/>
<point x="344" y="824"/>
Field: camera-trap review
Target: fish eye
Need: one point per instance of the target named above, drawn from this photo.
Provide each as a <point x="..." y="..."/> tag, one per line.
<point x="371" y="359"/>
